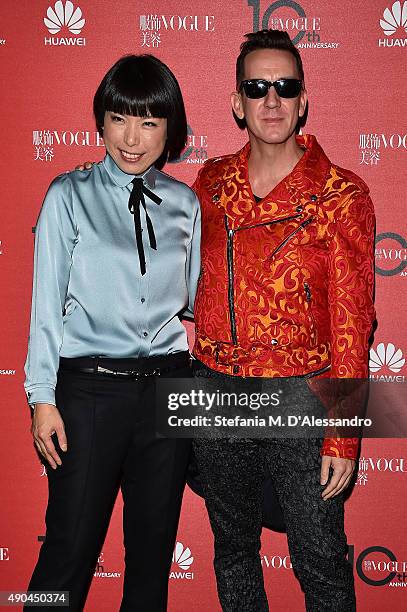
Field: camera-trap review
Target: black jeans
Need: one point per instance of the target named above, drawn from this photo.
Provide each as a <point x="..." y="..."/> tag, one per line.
<point x="232" y="473"/>
<point x="110" y="427"/>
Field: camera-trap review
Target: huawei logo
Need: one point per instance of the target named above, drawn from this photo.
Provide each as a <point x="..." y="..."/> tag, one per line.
<point x="386" y="355"/>
<point x="394" y="18"/>
<point x="182" y="556"/>
<point x="61" y="16"/>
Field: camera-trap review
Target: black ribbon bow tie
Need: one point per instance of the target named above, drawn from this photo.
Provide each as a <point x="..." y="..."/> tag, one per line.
<point x="136" y="198"/>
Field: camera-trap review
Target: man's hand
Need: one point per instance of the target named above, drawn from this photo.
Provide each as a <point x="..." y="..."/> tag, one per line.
<point x="342" y="473"/>
<point x="47" y="421"/>
<point x="85" y="166"/>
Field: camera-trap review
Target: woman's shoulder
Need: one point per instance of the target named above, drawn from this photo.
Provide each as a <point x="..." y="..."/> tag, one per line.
<point x="59" y="190"/>
<point x="63" y="184"/>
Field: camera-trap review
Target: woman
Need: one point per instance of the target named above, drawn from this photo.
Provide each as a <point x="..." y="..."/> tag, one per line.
<point x="116" y="262"/>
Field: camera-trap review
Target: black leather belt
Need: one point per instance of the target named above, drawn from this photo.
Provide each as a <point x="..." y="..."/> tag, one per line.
<point x="129" y="368"/>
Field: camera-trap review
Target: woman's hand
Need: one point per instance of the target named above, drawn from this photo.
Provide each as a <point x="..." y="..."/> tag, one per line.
<point x="85" y="166"/>
<point x="47" y="421"/>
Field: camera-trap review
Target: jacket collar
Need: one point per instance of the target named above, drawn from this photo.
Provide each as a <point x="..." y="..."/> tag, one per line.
<point x="303" y="185"/>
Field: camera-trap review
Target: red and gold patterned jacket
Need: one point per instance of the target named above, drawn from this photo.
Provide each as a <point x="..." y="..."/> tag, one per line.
<point x="286" y="285"/>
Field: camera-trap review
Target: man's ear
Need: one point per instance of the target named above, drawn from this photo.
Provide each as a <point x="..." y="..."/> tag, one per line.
<point x="237" y="104"/>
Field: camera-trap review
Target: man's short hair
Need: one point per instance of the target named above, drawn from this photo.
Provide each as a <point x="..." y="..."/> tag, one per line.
<point x="266" y="39"/>
<point x="141" y="85"/>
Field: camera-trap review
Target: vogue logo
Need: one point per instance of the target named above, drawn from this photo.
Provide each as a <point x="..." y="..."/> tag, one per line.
<point x="372" y="143"/>
<point x="378" y="560"/>
<point x="183" y="558"/>
<point x="152" y="25"/>
<point x="381" y="464"/>
<point x="44" y="141"/>
<point x="387" y="465"/>
<point x="394" y="22"/>
<point x="196" y="151"/>
<point x="64" y="16"/>
<point x="391" y="252"/>
<point x="290" y="16"/>
<point x="276" y="562"/>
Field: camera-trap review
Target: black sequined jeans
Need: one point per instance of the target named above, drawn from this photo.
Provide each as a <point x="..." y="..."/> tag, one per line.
<point x="232" y="472"/>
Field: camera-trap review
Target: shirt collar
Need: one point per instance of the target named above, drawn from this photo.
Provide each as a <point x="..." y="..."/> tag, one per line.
<point x="122" y="179"/>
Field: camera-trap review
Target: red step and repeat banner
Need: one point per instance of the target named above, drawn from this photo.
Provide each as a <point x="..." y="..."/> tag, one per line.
<point x="52" y="57"/>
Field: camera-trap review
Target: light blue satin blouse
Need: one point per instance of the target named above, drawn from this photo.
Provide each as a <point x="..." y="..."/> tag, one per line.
<point x="89" y="297"/>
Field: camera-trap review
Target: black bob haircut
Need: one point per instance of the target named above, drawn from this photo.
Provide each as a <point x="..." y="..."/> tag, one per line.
<point x="142" y="86"/>
<point x="267" y="39"/>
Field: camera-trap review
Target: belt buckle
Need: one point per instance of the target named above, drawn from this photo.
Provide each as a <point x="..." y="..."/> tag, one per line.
<point x="131" y="373"/>
<point x="101" y="370"/>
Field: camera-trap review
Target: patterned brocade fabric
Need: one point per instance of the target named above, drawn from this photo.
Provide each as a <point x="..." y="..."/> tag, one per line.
<point x="286" y="284"/>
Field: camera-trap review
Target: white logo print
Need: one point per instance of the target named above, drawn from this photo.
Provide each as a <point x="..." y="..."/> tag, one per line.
<point x="394" y="18"/>
<point x="182" y="556"/>
<point x="386" y="355"/>
<point x="59" y="16"/>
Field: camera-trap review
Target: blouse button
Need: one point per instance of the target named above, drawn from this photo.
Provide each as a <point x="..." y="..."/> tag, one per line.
<point x="314" y="198"/>
<point x="274" y="341"/>
<point x="143" y="300"/>
<point x="145" y="334"/>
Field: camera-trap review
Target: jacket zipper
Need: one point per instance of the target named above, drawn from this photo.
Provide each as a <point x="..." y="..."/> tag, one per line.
<point x="308" y="297"/>
<point x="282" y="244"/>
<point x="307" y="292"/>
<point x="230" y="234"/>
<point x="316" y="372"/>
<point x="290" y="218"/>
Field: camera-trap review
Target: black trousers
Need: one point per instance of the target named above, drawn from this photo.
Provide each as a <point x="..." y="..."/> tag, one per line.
<point x="110" y="427"/>
<point x="232" y="474"/>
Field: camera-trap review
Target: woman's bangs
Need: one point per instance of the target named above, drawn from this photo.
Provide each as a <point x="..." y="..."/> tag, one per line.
<point x="138" y="103"/>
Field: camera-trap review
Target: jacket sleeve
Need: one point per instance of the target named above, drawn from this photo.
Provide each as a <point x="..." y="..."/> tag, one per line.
<point x="350" y="298"/>
<point x="55" y="238"/>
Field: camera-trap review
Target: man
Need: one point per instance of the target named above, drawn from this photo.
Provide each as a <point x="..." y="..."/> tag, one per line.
<point x="285" y="291"/>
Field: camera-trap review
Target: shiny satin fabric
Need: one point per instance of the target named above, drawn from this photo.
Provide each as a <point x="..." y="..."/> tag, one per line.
<point x="89" y="296"/>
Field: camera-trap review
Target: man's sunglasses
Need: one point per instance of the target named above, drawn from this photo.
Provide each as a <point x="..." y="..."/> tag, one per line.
<point x="258" y="88"/>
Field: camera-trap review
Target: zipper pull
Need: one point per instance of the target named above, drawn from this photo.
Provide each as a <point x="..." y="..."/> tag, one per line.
<point x="307" y="292"/>
<point x="307" y="222"/>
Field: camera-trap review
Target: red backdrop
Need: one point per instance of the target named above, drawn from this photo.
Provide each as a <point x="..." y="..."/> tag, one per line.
<point x="354" y="59"/>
